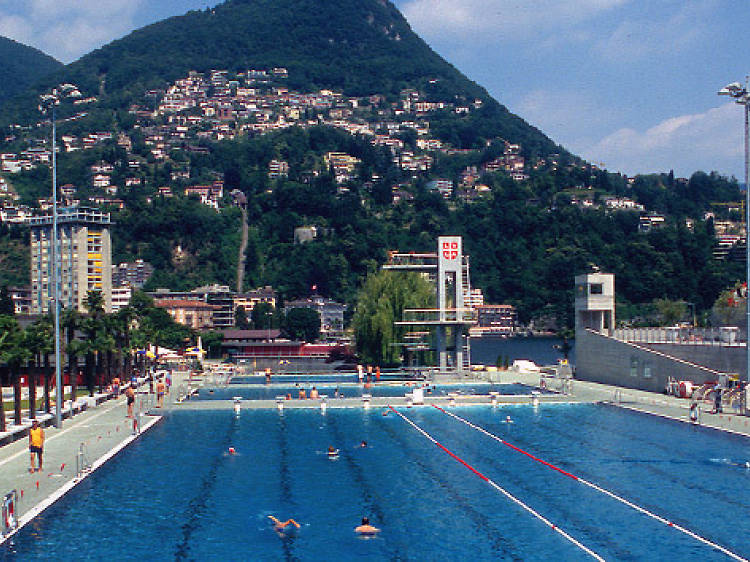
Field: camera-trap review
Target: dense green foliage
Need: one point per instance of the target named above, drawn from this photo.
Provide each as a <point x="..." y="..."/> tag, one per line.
<point x="382" y="301"/>
<point x="14" y="256"/>
<point x="188" y="243"/>
<point x="23" y="66"/>
<point x="302" y="324"/>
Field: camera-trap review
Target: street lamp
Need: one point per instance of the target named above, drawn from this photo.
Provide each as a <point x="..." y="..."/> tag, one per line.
<point x="47" y="103"/>
<point x="740" y="95"/>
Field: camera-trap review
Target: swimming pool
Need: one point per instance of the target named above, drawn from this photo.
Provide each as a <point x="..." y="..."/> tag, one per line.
<point x="177" y="494"/>
<point x="259" y="392"/>
<point x="313" y="378"/>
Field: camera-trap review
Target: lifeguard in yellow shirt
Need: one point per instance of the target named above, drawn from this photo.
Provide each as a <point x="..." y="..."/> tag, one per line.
<point x="36" y="444"/>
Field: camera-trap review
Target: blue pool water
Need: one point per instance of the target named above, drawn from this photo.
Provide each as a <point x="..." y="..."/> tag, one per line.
<point x="336" y="378"/>
<point x="257" y="392"/>
<point x="176" y="494"/>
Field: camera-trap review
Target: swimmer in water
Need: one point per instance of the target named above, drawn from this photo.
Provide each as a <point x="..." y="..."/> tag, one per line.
<point x="232" y="451"/>
<point x="365" y="528"/>
<point x="363" y="444"/>
<point x="508" y="420"/>
<point x="333" y="453"/>
<point x="280" y="526"/>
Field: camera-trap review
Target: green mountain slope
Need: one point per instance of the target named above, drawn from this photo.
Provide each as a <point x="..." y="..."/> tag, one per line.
<point x="360" y="47"/>
<point x="22" y="67"/>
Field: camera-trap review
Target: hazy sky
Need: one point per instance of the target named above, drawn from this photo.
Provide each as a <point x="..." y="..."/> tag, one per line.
<point x="628" y="83"/>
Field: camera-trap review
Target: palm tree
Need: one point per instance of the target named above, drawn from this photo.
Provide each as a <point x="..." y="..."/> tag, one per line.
<point x="39" y="341"/>
<point x="126" y="321"/>
<point x="71" y="321"/>
<point x="14" y="354"/>
<point x="93" y="326"/>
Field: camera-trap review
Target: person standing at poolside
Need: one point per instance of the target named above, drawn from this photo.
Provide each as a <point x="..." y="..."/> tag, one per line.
<point x="130" y="395"/>
<point x="36" y="444"/>
<point x="314" y="394"/>
<point x="160" y="388"/>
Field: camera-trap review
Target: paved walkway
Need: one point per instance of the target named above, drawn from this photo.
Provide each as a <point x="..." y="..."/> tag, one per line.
<point x="98" y="433"/>
<point x="650" y="403"/>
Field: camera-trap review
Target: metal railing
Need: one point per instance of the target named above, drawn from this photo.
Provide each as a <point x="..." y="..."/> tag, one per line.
<point x="83" y="463"/>
<point x="434" y="315"/>
<point x="722" y="336"/>
<point x="9" y="512"/>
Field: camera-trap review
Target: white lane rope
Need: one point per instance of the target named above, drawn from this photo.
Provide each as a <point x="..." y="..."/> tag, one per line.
<point x="598" y="488"/>
<point x="501" y="489"/>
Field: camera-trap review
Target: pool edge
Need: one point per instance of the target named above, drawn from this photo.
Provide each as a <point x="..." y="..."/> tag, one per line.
<point x="50" y="500"/>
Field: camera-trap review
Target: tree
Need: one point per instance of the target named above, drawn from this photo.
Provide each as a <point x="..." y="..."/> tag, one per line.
<point x="212" y="344"/>
<point x="264" y="316"/>
<point x="301" y="324"/>
<point x="241" y="321"/>
<point x="670" y="311"/>
<point x="381" y="302"/>
<point x="71" y="321"/>
<point x="13" y="354"/>
<point x="6" y="303"/>
<point x="96" y="339"/>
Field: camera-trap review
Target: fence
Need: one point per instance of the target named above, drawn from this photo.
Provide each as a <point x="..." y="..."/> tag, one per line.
<point x="725" y="336"/>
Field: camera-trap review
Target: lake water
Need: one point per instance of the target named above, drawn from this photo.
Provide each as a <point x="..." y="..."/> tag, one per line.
<point x="541" y="350"/>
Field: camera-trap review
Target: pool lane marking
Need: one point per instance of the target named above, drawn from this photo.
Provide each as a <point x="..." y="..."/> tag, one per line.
<point x="500" y="488"/>
<point x="62" y="431"/>
<point x="29" y="516"/>
<point x="598" y="488"/>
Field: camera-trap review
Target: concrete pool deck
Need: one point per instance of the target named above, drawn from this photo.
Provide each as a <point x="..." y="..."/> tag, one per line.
<point x="100" y="432"/>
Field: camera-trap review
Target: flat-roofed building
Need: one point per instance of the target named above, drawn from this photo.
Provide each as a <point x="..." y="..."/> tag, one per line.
<point x="84" y="260"/>
<point x="192" y="313"/>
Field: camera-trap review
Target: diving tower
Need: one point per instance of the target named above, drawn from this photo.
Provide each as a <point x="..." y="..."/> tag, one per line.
<point x="451" y="320"/>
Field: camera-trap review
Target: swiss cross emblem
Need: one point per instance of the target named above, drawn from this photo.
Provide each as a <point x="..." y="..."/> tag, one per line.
<point x="450" y="250"/>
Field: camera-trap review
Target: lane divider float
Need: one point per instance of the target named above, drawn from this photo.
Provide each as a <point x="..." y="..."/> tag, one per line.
<point x="598" y="488"/>
<point x="499" y="488"/>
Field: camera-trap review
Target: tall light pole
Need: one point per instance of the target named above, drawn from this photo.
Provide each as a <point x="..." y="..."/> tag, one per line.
<point x="48" y="102"/>
<point x="741" y="96"/>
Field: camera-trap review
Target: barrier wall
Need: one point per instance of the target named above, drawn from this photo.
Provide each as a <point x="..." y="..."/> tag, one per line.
<point x="600" y="358"/>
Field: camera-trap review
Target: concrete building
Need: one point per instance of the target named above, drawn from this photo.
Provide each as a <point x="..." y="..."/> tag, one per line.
<point x="496" y="319"/>
<point x="219" y="296"/>
<point x="85" y="258"/>
<point x="135" y="274"/>
<point x="248" y="300"/>
<point x="646" y="358"/>
<point x="121" y="296"/>
<point x="331" y="313"/>
<point x="192" y="313"/>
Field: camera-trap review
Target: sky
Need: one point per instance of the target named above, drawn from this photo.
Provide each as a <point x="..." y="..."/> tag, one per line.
<point x="628" y="84"/>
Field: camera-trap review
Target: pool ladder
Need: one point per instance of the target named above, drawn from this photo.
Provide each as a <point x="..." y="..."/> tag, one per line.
<point x="83" y="464"/>
<point x="617" y="396"/>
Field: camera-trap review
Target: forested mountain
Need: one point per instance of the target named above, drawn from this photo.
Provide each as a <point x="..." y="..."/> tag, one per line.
<point x="22" y="67"/>
<point x="336" y="117"/>
<point x="360" y="47"/>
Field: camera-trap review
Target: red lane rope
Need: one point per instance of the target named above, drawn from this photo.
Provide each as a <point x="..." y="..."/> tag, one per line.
<point x="598" y="488"/>
<point x="504" y="442"/>
<point x="500" y="488"/>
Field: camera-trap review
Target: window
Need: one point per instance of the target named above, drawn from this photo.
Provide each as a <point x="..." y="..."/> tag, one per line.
<point x="596" y="289"/>
<point x="633" y="367"/>
<point x="647" y="370"/>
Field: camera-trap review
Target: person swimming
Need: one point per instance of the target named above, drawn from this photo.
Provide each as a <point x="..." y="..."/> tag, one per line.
<point x="363" y="444"/>
<point x="333" y="453"/>
<point x="365" y="528"/>
<point x="281" y="526"/>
